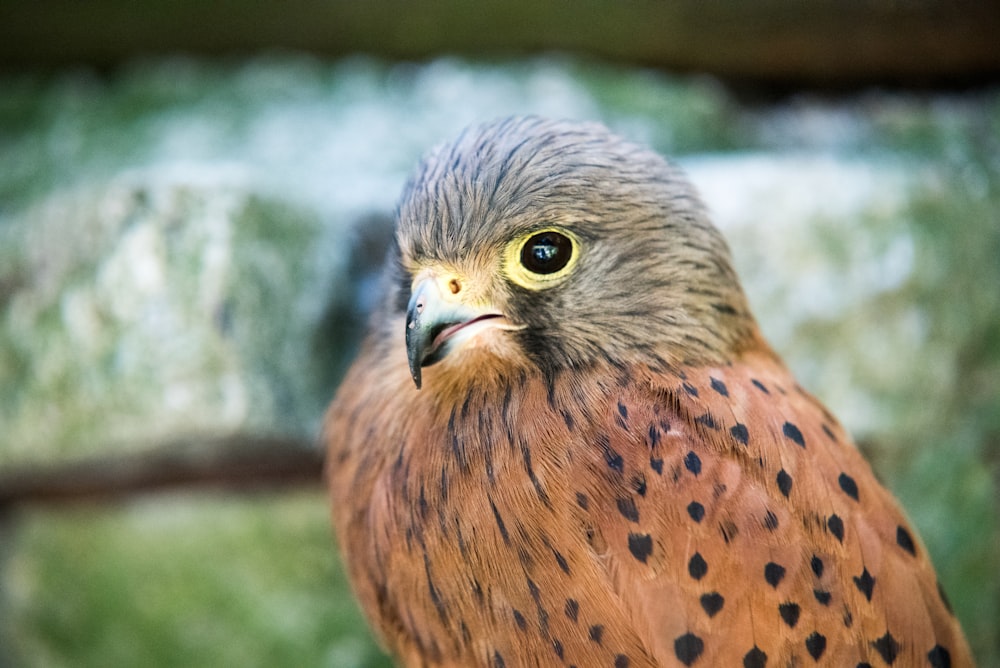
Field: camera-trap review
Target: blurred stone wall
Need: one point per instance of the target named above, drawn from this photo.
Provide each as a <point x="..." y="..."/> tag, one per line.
<point x="187" y="248"/>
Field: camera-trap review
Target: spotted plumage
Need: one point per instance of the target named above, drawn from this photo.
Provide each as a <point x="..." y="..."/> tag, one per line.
<point x="565" y="442"/>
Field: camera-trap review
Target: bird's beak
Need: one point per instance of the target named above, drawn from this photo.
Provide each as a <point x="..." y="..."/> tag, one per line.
<point x="437" y="320"/>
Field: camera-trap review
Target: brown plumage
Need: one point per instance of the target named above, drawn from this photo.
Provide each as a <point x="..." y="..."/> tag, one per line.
<point x="564" y="441"/>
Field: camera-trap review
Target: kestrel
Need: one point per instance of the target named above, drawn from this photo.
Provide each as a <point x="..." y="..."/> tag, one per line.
<point x="565" y="441"/>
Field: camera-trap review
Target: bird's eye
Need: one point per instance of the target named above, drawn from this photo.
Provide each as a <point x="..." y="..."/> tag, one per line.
<point x="541" y="258"/>
<point x="546" y="252"/>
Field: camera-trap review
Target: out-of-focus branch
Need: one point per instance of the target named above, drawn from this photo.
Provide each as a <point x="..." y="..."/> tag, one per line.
<point x="238" y="462"/>
<point x="778" y="41"/>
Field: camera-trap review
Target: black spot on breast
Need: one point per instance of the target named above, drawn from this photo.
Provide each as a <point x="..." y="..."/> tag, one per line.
<point x="611" y="458"/>
<point x="712" y="602"/>
<point x="628" y="510"/>
<point x="848" y="617"/>
<point x="654" y="436"/>
<point x="519" y="619"/>
<point x="905" y="540"/>
<point x="729" y="530"/>
<point x="697" y="566"/>
<point x="536" y="483"/>
<point x="829" y="433"/>
<point x="557" y="648"/>
<point x="939" y="657"/>
<point x="817" y="566"/>
<point x="688" y="648"/>
<point x="822" y="596"/>
<point x="792" y="433"/>
<point x="457" y="447"/>
<point x="596" y="633"/>
<point x="498" y="661"/>
<point x="770" y="521"/>
<point x="572" y="609"/>
<point x="847" y="484"/>
<point x="759" y="385"/>
<point x="500" y="523"/>
<point x="433" y="591"/>
<point x="656" y="464"/>
<point x="740" y="433"/>
<point x="789" y="613"/>
<point x="639" y="484"/>
<point x="865" y="583"/>
<point x="465" y="405"/>
<point x="816" y="645"/>
<point x="561" y="560"/>
<point x="836" y="527"/>
<point x="784" y="482"/>
<point x="582" y="500"/>
<point x="463" y="547"/>
<point x="706" y="420"/>
<point x="444" y="484"/>
<point x="640" y="545"/>
<point x="543" y="614"/>
<point x="774" y="573"/>
<point x="690" y="389"/>
<point x="622" y="410"/>
<point x="422" y="503"/>
<point x="755" y="658"/>
<point x="887" y="647"/>
<point x="568" y="419"/>
<point x="692" y="463"/>
<point x="621" y="661"/>
<point x="696" y="511"/>
<point x="719" y="387"/>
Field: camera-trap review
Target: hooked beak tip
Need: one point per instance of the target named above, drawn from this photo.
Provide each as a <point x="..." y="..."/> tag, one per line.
<point x="414" y="347"/>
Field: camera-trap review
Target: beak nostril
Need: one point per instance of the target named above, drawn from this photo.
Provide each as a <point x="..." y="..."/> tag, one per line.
<point x="454" y="286"/>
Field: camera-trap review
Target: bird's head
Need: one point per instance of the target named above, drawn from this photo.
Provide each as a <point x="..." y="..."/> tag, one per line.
<point x="558" y="244"/>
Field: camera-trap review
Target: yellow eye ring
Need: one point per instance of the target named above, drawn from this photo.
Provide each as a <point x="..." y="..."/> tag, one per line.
<point x="541" y="258"/>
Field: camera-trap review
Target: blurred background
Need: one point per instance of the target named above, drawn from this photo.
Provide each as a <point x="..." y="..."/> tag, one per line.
<point x="194" y="199"/>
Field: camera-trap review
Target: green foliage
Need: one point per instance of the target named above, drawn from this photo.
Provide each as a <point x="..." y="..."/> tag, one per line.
<point x="946" y="472"/>
<point x="183" y="581"/>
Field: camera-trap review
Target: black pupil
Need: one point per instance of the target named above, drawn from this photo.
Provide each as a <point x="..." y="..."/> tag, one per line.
<point x="546" y="252"/>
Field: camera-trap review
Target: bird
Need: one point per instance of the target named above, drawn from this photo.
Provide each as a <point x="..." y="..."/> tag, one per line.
<point x="565" y="441"/>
